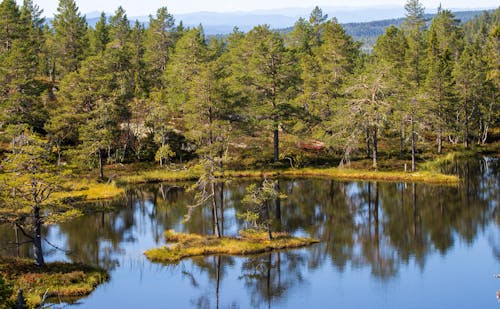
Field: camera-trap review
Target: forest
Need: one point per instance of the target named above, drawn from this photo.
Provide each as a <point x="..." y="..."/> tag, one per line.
<point x="122" y="93"/>
<point x="84" y="108"/>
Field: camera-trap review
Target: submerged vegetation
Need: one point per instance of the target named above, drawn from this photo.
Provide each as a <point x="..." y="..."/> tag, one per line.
<point x="250" y="242"/>
<point x="56" y="281"/>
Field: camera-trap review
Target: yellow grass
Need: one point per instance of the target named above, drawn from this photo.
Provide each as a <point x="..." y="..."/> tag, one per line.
<point x="250" y="242"/>
<point x="90" y="190"/>
<point x="160" y="175"/>
<point x="334" y="173"/>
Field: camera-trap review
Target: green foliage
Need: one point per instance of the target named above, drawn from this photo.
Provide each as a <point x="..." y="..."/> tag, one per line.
<point x="122" y="93"/>
<point x="28" y="176"/>
<point x="164" y="153"/>
<point x="70" y="37"/>
<point x="28" y="179"/>
<point x="159" y="44"/>
<point x="257" y="200"/>
<point x="6" y="289"/>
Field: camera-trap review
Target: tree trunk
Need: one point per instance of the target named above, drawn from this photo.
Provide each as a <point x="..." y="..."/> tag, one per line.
<point x="440" y="139"/>
<point x="125" y="145"/>
<point x="218" y="276"/>
<point x="21" y="304"/>
<point x="413" y="143"/>
<point x="58" y="146"/>
<point x="37" y="239"/>
<point x="268" y="223"/>
<point x="375" y="148"/>
<point x="278" y="207"/>
<point x="215" y="212"/>
<point x="415" y="213"/>
<point x="466" y="133"/>
<point x="276" y="144"/>
<point x="368" y="151"/>
<point x="101" y="165"/>
<point x="401" y="138"/>
<point x="222" y="208"/>
<point x="376" y="214"/>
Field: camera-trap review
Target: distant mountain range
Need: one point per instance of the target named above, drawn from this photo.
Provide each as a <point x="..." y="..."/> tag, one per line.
<point x="224" y="23"/>
<point x="363" y="24"/>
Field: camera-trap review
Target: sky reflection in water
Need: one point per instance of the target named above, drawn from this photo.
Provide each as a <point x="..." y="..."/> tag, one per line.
<point x="383" y="245"/>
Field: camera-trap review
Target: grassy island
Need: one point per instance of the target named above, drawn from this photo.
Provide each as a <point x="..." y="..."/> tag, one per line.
<point x="250" y="242"/>
<point x="61" y="281"/>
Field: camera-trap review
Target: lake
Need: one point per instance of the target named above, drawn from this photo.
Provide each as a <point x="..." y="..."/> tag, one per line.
<point x="382" y="245"/>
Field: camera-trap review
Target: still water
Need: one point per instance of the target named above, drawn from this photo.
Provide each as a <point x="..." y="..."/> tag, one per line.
<point x="383" y="245"/>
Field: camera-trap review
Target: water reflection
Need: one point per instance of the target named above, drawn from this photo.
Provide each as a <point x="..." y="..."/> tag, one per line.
<point x="380" y="228"/>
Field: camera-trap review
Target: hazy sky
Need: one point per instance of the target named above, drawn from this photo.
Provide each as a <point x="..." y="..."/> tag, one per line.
<point x="146" y="7"/>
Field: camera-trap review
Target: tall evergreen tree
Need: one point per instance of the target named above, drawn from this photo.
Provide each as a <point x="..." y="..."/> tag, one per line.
<point x="18" y="68"/>
<point x="414" y="27"/>
<point x="390" y="52"/>
<point x="265" y="72"/>
<point x="99" y="37"/>
<point x="442" y="48"/>
<point x="70" y="39"/>
<point x="324" y="74"/>
<point x="159" y="44"/>
<point x="470" y="77"/>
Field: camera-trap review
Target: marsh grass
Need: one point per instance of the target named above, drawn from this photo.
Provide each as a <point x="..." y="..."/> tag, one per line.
<point x="89" y="190"/>
<point x="250" y="242"/>
<point x="58" y="280"/>
<point x="334" y="173"/>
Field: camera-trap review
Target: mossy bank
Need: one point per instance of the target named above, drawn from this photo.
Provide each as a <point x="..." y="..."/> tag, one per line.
<point x="59" y="281"/>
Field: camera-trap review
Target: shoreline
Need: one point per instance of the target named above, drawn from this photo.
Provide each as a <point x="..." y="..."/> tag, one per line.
<point x="91" y="190"/>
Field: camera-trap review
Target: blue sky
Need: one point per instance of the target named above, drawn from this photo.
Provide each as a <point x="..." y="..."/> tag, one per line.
<point x="146" y="7"/>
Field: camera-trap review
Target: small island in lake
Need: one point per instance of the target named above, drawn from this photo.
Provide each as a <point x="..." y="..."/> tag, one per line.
<point x="249" y="242"/>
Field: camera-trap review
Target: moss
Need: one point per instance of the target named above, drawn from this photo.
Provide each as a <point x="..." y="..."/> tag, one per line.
<point x="353" y="174"/>
<point x="335" y="173"/>
<point x="88" y="190"/>
<point x="160" y="175"/>
<point x="61" y="280"/>
<point x="250" y="242"/>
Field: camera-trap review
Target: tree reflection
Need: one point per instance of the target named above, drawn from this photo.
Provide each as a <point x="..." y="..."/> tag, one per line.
<point x="269" y="277"/>
<point x="380" y="226"/>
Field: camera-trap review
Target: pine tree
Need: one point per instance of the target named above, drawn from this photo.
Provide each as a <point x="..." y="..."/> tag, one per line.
<point x="414" y="27"/>
<point x="470" y="77"/>
<point x="138" y="61"/>
<point x="159" y="44"/>
<point x="301" y="38"/>
<point x="441" y="47"/>
<point x="265" y="72"/>
<point x="99" y="37"/>
<point x="324" y="74"/>
<point x="369" y="107"/>
<point x="390" y="52"/>
<point x="28" y="180"/>
<point x="18" y="68"/>
<point x="70" y="39"/>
